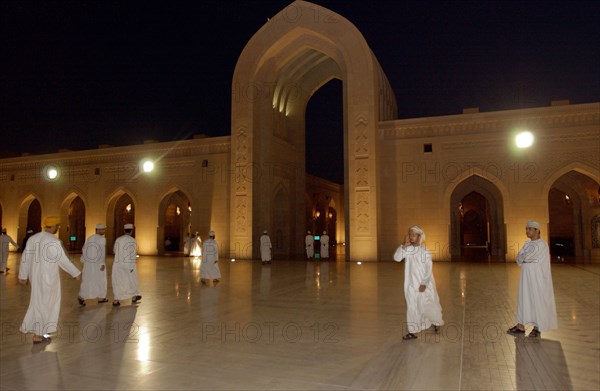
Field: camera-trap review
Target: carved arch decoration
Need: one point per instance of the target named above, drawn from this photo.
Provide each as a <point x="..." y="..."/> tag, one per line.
<point x="295" y="53"/>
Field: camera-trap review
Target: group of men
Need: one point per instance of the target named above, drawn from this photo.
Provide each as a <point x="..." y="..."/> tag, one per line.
<point x="535" y="308"/>
<point x="44" y="254"/>
<point x="309" y="244"/>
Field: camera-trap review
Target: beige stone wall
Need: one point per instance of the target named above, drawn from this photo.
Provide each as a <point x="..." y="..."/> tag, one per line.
<point x="470" y="152"/>
<point x="468" y="147"/>
<point x="100" y="176"/>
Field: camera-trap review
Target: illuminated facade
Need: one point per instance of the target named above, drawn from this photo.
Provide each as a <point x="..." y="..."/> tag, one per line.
<point x="460" y="177"/>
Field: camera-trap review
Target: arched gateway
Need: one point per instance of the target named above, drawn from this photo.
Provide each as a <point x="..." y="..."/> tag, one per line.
<point x="294" y="54"/>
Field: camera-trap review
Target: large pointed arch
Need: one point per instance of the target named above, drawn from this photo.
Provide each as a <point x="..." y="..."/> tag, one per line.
<point x="286" y="61"/>
<point x="72" y="216"/>
<point x="493" y="196"/>
<point x="173" y="226"/>
<point x="582" y="168"/>
<point x="25" y="220"/>
<point x="112" y="231"/>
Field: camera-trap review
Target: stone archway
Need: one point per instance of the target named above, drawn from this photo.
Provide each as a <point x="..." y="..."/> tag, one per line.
<point x="297" y="52"/>
<point x="30" y="216"/>
<point x="486" y="204"/>
<point x="174" y="221"/>
<point x="76" y="224"/>
<point x="572" y="204"/>
<point x="120" y="211"/>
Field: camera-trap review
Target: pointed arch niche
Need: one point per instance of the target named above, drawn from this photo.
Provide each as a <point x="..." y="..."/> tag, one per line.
<point x="30" y="216"/>
<point x="174" y="221"/>
<point x="477" y="231"/>
<point x="293" y="55"/>
<point x="120" y="211"/>
<point x="573" y="202"/>
<point x="73" y="220"/>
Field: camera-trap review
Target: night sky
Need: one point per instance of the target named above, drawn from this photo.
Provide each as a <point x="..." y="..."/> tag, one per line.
<point x="76" y="74"/>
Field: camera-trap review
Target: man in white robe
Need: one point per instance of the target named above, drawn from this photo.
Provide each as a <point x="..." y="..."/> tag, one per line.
<point x="422" y="300"/>
<point x="209" y="268"/>
<point x="265" y="248"/>
<point x="124" y="271"/>
<point x="309" y="242"/>
<point x="93" y="277"/>
<point x="5" y="240"/>
<point x="324" y="245"/>
<point x="40" y="264"/>
<point x="536" y="306"/>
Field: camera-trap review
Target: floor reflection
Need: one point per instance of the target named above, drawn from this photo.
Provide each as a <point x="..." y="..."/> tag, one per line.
<point x="305" y="325"/>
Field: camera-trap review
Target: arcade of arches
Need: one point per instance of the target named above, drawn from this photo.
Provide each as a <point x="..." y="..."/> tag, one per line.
<point x="457" y="176"/>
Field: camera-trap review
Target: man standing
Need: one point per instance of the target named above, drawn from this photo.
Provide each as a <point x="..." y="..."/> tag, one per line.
<point x="309" y="242"/>
<point x="4" y="242"/>
<point x="93" y="257"/>
<point x="265" y="248"/>
<point x="324" y="245"/>
<point x="536" y="304"/>
<point x="209" y="269"/>
<point x="40" y="264"/>
<point x="124" y="271"/>
<point x="422" y="300"/>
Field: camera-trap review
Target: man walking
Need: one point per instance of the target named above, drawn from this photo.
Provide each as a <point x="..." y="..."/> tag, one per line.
<point x="40" y="264"/>
<point x="5" y="240"/>
<point x="124" y="271"/>
<point x="93" y="257"/>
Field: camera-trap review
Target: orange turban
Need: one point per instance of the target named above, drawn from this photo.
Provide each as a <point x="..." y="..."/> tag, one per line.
<point x="51" y="221"/>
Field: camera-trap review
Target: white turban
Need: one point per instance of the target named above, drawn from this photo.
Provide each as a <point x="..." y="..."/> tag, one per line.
<point x="211" y="233"/>
<point x="416" y="229"/>
<point x="100" y="226"/>
<point x="128" y="226"/>
<point x="533" y="224"/>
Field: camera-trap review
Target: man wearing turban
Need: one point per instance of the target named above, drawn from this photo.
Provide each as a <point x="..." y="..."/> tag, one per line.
<point x="265" y="248"/>
<point x="5" y="240"/>
<point x="536" y="304"/>
<point x="124" y="271"/>
<point x="309" y="242"/>
<point x="422" y="300"/>
<point x="93" y="257"/>
<point x="40" y="264"/>
<point x="209" y="267"/>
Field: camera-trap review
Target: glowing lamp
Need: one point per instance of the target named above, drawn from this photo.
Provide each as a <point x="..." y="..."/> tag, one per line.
<point x="148" y="166"/>
<point x="524" y="139"/>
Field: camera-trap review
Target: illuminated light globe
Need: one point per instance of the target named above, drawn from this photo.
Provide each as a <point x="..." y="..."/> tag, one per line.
<point x="524" y="139"/>
<point x="359" y="263"/>
<point x="232" y="259"/>
<point x="148" y="166"/>
<point x="52" y="173"/>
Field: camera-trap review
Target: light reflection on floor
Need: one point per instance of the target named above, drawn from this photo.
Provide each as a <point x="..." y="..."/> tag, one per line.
<point x="304" y="325"/>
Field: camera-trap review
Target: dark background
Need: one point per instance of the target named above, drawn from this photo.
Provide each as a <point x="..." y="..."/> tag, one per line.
<point x="76" y="74"/>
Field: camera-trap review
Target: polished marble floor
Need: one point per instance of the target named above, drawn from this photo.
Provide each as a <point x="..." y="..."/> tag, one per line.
<point x="298" y="325"/>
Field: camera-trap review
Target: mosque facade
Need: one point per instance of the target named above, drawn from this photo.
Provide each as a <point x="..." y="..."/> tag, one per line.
<point x="460" y="177"/>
